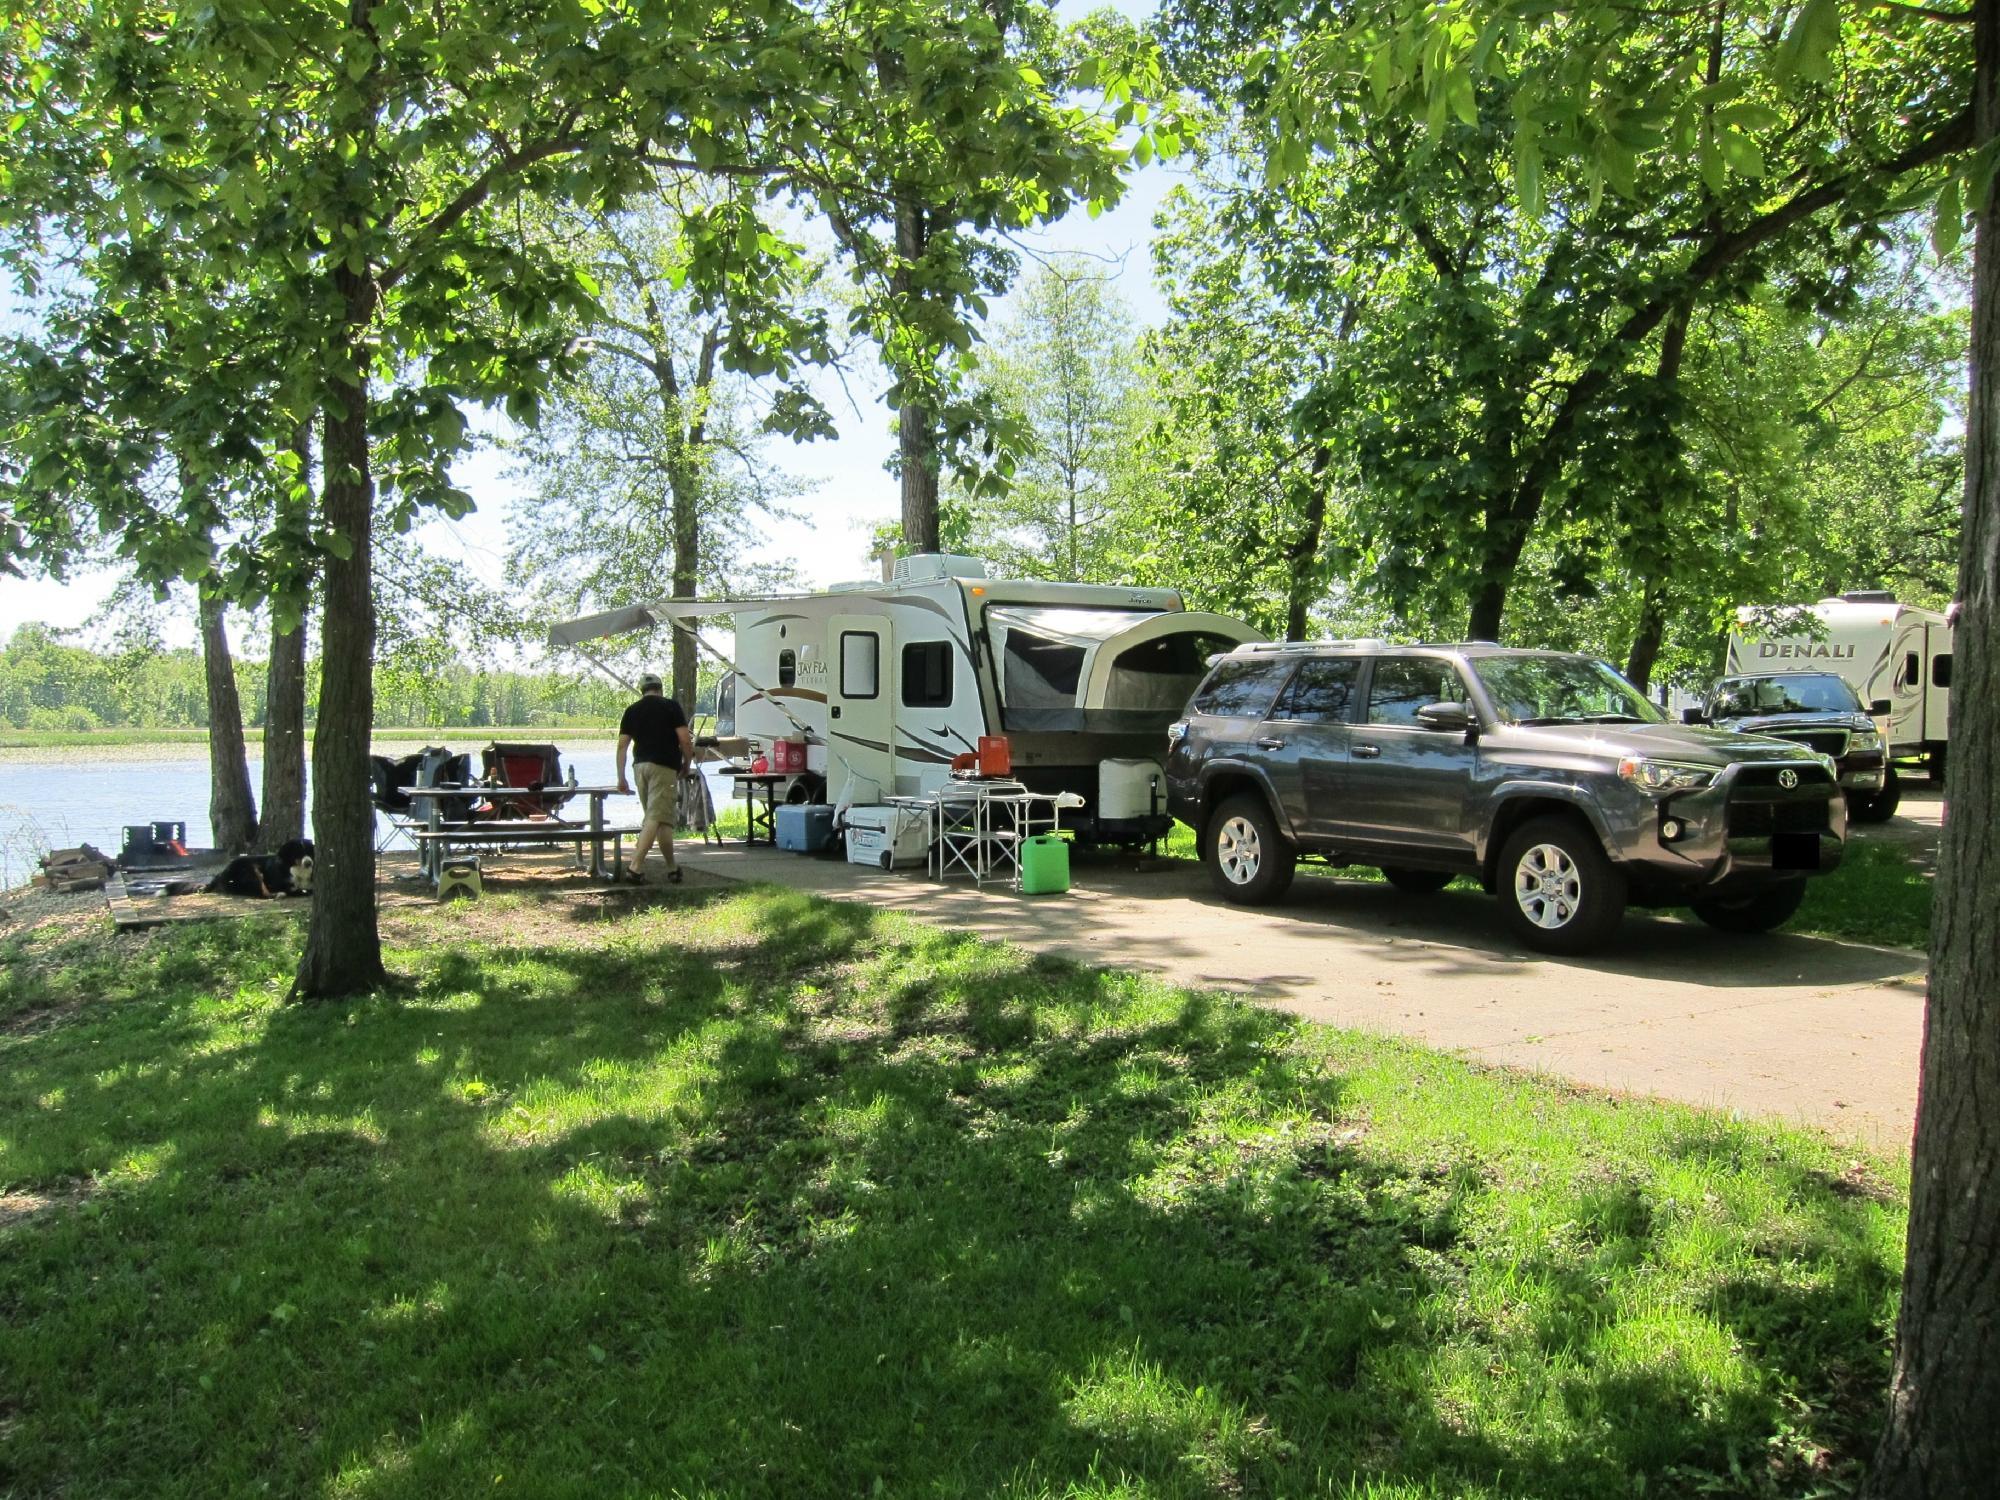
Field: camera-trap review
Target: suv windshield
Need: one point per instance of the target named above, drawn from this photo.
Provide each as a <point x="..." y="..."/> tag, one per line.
<point x="1561" y="690"/>
<point x="1792" y="693"/>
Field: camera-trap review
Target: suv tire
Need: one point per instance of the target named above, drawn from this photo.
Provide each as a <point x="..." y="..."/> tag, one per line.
<point x="1416" y="882"/>
<point x="1249" y="860"/>
<point x="1880" y="806"/>
<point x="1759" y="912"/>
<point x="1559" y="891"/>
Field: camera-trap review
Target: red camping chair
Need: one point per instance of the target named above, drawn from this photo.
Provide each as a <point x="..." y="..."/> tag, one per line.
<point x="536" y="767"/>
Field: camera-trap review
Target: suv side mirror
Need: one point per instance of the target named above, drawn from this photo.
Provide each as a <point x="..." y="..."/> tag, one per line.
<point x="1881" y="708"/>
<point x="1445" y="717"/>
<point x="1693" y="716"/>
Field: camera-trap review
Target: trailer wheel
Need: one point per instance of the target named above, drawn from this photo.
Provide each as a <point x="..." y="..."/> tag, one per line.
<point x="1934" y="765"/>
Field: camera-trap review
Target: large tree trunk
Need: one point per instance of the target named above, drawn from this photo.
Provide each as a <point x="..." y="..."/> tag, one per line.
<point x="916" y="426"/>
<point x="232" y="816"/>
<point x="687" y="577"/>
<point x="1303" y="586"/>
<point x="1651" y="526"/>
<point x="284" y="740"/>
<point x="344" y="948"/>
<point x="1943" y="1438"/>
<point x="284" y="815"/>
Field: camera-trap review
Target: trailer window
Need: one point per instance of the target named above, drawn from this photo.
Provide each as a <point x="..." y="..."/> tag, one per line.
<point x="927" y="674"/>
<point x="1160" y="673"/>
<point x="788" y="668"/>
<point x="860" y="663"/>
<point x="1913" y="671"/>
<point x="1041" y="673"/>
<point x="725" y="704"/>
<point x="1941" y="670"/>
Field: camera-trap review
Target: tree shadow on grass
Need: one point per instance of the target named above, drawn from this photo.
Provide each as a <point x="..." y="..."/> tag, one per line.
<point x="796" y="1215"/>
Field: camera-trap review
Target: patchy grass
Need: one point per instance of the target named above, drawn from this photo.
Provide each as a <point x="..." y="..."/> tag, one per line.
<point x="1878" y="895"/>
<point x="749" y="1193"/>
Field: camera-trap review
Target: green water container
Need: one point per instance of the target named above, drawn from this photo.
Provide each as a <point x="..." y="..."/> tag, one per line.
<point x="1044" y="865"/>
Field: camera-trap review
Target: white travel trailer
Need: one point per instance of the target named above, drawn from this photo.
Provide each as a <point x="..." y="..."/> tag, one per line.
<point x="1896" y="656"/>
<point x="887" y="682"/>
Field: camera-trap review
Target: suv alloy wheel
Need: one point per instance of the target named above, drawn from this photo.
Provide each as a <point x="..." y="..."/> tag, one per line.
<point x="1250" y="861"/>
<point x="1558" y="890"/>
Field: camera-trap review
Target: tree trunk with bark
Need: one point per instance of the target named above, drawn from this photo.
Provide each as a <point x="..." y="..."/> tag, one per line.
<point x="1942" y="1438"/>
<point x="232" y="815"/>
<point x="916" y="434"/>
<point x="284" y="815"/>
<point x="343" y="953"/>
<point x="1303" y="585"/>
<point x="1651" y="525"/>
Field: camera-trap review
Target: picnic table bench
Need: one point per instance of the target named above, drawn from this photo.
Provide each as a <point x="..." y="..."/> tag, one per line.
<point x="438" y="843"/>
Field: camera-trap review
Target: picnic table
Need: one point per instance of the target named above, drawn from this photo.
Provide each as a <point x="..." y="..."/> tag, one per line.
<point x="432" y="846"/>
<point x="436" y="844"/>
<point x="763" y="821"/>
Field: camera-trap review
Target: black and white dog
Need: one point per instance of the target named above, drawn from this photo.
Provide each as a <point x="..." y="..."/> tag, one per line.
<point x="289" y="872"/>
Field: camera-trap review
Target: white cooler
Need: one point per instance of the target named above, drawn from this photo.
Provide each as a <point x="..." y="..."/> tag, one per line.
<point x="888" y="838"/>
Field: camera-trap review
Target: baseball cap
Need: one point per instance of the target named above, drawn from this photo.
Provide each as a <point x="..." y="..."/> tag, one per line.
<point x="649" y="680"/>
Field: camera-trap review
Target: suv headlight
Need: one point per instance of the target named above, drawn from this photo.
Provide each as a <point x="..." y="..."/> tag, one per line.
<point x="1864" y="739"/>
<point x="1664" y="775"/>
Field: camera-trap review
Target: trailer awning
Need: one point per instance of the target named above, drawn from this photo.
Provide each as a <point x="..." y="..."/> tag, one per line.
<point x="642" y="617"/>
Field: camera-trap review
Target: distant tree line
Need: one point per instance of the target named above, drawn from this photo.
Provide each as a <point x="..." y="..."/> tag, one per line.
<point x="49" y="684"/>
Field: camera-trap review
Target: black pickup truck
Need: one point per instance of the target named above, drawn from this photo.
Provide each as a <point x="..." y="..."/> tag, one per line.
<point x="1821" y="712"/>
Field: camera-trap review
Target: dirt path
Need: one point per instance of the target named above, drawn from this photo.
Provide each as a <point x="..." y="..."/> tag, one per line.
<point x="1792" y="1028"/>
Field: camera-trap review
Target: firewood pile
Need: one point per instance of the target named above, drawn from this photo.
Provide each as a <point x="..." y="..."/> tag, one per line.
<point x="81" y="869"/>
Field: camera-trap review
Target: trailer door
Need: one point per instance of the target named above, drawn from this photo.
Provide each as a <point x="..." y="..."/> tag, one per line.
<point x="860" y="718"/>
<point x="1937" y="684"/>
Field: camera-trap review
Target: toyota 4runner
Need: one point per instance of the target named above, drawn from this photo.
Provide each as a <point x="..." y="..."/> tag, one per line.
<point x="1545" y="775"/>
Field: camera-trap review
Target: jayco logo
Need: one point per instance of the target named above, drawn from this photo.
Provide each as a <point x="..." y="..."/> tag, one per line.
<point x="1813" y="651"/>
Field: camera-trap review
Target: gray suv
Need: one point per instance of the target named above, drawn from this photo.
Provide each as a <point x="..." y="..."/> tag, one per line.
<point x="1545" y="775"/>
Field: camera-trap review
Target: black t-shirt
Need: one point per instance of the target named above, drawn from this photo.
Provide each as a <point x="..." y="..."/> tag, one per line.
<point x="654" y="723"/>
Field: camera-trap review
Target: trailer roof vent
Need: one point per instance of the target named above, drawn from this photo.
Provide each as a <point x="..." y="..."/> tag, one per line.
<point x="924" y="566"/>
<point x="1869" y="596"/>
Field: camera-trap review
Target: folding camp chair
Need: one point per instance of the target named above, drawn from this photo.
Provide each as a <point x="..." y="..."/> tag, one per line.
<point x="538" y="769"/>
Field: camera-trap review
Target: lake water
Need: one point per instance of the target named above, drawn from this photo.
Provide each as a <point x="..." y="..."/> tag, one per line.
<point x="56" y="799"/>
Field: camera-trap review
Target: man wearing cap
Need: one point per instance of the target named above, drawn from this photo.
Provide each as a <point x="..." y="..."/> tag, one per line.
<point x="655" y="731"/>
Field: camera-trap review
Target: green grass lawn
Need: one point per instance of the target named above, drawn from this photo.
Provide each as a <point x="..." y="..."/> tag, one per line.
<point x="754" y="1194"/>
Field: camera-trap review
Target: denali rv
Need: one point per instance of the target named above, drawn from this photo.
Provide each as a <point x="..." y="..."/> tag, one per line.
<point x="1896" y="656"/>
<point x="886" y="683"/>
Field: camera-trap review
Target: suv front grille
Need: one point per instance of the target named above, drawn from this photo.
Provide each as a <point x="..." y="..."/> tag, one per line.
<point x="1811" y="774"/>
<point x="1763" y="820"/>
<point x="1825" y="741"/>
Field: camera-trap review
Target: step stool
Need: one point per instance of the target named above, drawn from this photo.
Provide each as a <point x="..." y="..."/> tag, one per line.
<point x="459" y="876"/>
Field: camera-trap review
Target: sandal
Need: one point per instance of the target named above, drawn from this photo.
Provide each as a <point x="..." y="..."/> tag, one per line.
<point x="674" y="875"/>
<point x="631" y="873"/>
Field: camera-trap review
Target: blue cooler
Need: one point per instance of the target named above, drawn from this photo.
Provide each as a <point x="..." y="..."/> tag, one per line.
<point x="805" y="828"/>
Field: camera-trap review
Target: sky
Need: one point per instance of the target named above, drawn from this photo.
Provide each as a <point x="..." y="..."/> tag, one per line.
<point x="850" y="491"/>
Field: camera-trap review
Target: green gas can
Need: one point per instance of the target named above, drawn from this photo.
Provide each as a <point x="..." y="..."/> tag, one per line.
<point x="1044" y="865"/>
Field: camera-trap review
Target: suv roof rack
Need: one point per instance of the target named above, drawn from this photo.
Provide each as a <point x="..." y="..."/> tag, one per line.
<point x="1268" y="646"/>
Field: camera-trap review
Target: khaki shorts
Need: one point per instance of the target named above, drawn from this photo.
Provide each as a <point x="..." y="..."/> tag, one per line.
<point x="659" y="792"/>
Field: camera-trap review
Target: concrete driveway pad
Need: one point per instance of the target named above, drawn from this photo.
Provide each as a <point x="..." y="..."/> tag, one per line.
<point x="1797" y="1029"/>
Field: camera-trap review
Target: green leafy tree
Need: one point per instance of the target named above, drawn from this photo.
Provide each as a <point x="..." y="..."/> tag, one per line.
<point x="333" y="177"/>
<point x="1917" y="90"/>
<point x="650" y="469"/>
<point x="1065" y="370"/>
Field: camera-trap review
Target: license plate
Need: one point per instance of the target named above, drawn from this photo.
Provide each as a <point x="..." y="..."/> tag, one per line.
<point x="1795" y="851"/>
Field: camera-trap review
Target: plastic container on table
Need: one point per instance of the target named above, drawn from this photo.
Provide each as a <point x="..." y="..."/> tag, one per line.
<point x="788" y="755"/>
<point x="1044" y="865"/>
<point x="995" y="759"/>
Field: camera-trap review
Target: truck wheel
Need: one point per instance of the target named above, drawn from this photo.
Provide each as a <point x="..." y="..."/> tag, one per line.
<point x="1559" y="891"/>
<point x="1879" y="806"/>
<point x="1768" y="908"/>
<point x="1416" y="882"/>
<point x="1248" y="858"/>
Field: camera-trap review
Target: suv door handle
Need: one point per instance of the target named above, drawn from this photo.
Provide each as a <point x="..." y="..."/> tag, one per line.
<point x="1270" y="744"/>
<point x="1367" y="752"/>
